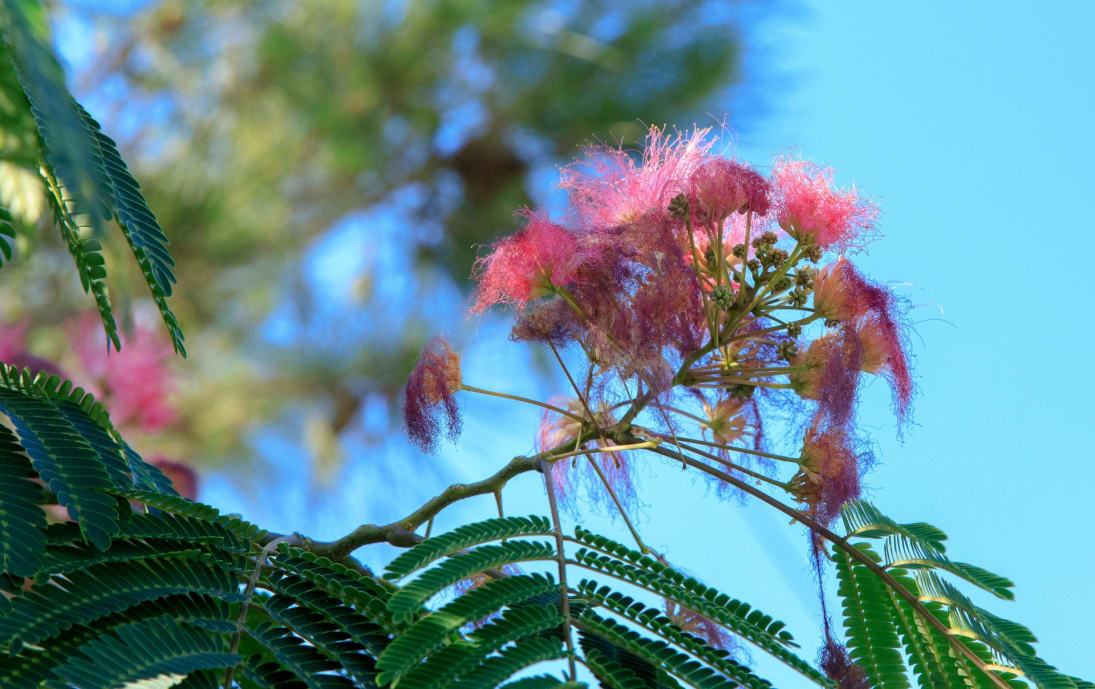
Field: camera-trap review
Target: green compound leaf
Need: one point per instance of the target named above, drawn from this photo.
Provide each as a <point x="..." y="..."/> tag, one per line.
<point x="22" y="521"/>
<point x="409" y="600"/>
<point x="466" y="536"/>
<point x="869" y="624"/>
<point x="142" y="650"/>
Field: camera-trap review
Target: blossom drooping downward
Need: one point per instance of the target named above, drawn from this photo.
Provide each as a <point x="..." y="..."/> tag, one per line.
<point x="429" y="405"/>
<point x="829" y="475"/>
<point x="809" y="205"/>
<point x="841" y="294"/>
<point x="526" y="265"/>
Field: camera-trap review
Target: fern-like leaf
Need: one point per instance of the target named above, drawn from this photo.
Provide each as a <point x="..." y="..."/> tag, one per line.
<point x="737" y="616"/>
<point x="429" y="633"/>
<point x="406" y="602"/>
<point x="523" y="654"/>
<point x="22" y="521"/>
<point x="465" y="659"/>
<point x="141" y="650"/>
<point x="325" y="636"/>
<point x="309" y="666"/>
<point x="175" y="504"/>
<point x="359" y="628"/>
<point x="658" y="625"/>
<point x="7" y="235"/>
<point x="869" y="622"/>
<point x="435" y="548"/>
<point x="657" y="653"/>
<point x="541" y="682"/>
<point x="900" y="551"/>
<point x="66" y="462"/>
<point x="100" y="590"/>
<point x="864" y="520"/>
<point x="146" y="238"/>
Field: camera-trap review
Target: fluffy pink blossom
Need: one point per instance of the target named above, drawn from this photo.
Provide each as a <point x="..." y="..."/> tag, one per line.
<point x="429" y="399"/>
<point x="135" y="384"/>
<point x="832" y="366"/>
<point x="526" y="265"/>
<point x="609" y="188"/>
<point x="841" y="293"/>
<point x="720" y="187"/>
<point x="809" y="205"/>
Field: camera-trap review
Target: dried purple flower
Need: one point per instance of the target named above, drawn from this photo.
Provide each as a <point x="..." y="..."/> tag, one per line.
<point x="837" y="666"/>
<point x="429" y="397"/>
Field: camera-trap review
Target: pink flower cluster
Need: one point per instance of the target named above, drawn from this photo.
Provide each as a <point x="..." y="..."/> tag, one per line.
<point x="680" y="268"/>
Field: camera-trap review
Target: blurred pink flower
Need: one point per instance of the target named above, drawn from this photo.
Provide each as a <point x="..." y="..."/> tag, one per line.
<point x="134" y="383"/>
<point x="13" y="350"/>
<point x="183" y="478"/>
<point x="13" y="340"/>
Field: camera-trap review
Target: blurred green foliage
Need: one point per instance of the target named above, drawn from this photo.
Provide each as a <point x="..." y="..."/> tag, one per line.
<point x="256" y="127"/>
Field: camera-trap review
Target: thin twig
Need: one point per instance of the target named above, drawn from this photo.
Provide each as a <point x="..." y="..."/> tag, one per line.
<point x="248" y="592"/>
<point x="564" y="590"/>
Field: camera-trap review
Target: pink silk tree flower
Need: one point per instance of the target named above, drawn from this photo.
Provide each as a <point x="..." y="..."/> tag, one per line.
<point x="842" y="294"/>
<point x="810" y="206"/>
<point x="527" y="265"/>
<point x="135" y="383"/>
<point x="608" y="188"/>
<point x="721" y="187"/>
<point x="884" y="355"/>
<point x="829" y="474"/>
<point x="731" y="420"/>
<point x="831" y="377"/>
<point x="429" y="399"/>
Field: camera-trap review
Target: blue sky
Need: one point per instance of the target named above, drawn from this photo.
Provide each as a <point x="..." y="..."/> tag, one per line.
<point x="970" y="124"/>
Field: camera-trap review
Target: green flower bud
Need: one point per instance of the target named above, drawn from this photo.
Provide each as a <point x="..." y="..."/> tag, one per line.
<point x="723" y="296"/>
<point x="678" y="206"/>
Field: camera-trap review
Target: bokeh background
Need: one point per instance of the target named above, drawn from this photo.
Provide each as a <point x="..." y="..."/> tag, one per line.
<point x="328" y="170"/>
